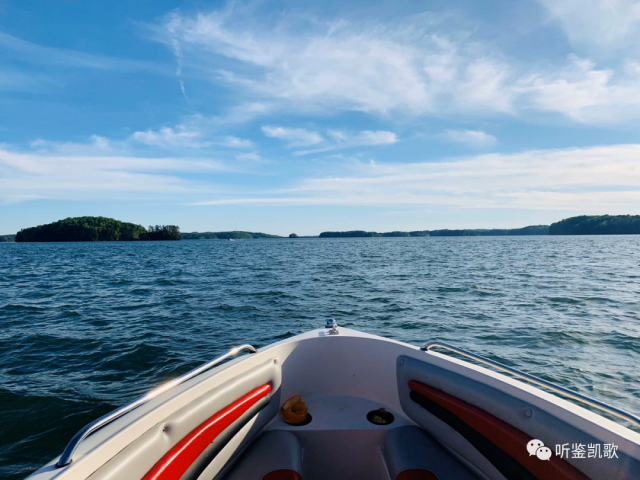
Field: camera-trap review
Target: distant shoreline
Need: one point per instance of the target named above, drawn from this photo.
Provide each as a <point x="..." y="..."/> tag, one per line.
<point x="91" y="229"/>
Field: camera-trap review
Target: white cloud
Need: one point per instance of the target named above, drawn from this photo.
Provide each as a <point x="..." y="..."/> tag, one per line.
<point x="584" y="93"/>
<point x="179" y="136"/>
<point x="99" y="170"/>
<point x="235" y="142"/>
<point x="196" y="132"/>
<point x="243" y="112"/>
<point x="474" y="138"/>
<point x="296" y="137"/>
<point x="171" y="25"/>
<point x="336" y="139"/>
<point x="97" y="146"/>
<point x="342" y="139"/>
<point x="251" y="157"/>
<point x="597" y="179"/>
<point x="412" y="67"/>
<point x="373" y="137"/>
<point x="365" y="66"/>
<point x="598" y="24"/>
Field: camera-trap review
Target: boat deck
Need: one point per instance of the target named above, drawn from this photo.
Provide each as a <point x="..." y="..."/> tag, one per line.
<point x="340" y="443"/>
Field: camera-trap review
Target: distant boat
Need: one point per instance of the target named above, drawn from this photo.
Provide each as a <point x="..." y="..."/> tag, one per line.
<point x="371" y="408"/>
<point x="231" y="239"/>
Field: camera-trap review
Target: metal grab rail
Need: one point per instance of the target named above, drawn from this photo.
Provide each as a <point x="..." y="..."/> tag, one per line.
<point x="616" y="412"/>
<point x="67" y="456"/>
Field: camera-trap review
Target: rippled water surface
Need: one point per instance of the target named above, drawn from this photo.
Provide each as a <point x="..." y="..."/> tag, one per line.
<point x="87" y="327"/>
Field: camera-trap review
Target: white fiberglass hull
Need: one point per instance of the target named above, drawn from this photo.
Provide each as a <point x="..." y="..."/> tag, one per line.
<point x="451" y="418"/>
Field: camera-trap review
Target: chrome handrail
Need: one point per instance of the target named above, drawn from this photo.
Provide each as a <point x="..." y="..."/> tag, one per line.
<point x="616" y="412"/>
<point x="67" y="456"/>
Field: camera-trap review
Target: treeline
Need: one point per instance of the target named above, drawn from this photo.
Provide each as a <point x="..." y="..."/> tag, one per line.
<point x="597" y="225"/>
<point x="532" y="230"/>
<point x="493" y="232"/>
<point x="162" y="232"/>
<point x="96" y="229"/>
<point x="350" y="234"/>
<point x="235" y="235"/>
<point x="100" y="229"/>
<point x="581" y="225"/>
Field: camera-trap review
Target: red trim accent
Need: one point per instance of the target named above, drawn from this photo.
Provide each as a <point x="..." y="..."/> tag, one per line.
<point x="506" y="437"/>
<point x="283" y="474"/>
<point x="177" y="460"/>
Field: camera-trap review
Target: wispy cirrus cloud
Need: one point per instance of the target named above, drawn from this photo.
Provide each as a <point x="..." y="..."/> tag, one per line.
<point x="236" y="142"/>
<point x="334" y="140"/>
<point x="341" y="64"/>
<point x="95" y="146"/>
<point x="15" y="80"/>
<point x="595" y="179"/>
<point x="300" y="64"/>
<point x="474" y="138"/>
<point x="365" y="137"/>
<point x="34" y="68"/>
<point x="27" y="176"/>
<point x="179" y="136"/>
<point x="27" y="52"/>
<point x="340" y="139"/>
<point x="171" y="25"/>
<point x="604" y="25"/>
<point x="102" y="169"/>
<point x="295" y="137"/>
<point x="585" y="93"/>
<point x="187" y="136"/>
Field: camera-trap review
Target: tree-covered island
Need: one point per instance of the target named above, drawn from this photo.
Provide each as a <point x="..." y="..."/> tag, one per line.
<point x="597" y="225"/>
<point x="96" y="229"/>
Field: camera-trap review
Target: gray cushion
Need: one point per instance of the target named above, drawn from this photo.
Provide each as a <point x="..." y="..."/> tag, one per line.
<point x="540" y="423"/>
<point x="411" y="448"/>
<point x="274" y="450"/>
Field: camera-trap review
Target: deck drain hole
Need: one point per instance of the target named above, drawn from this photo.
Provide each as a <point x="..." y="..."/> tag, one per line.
<point x="380" y="417"/>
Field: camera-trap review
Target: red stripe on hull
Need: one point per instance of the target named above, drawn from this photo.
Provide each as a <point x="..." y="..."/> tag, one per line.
<point x="506" y="437"/>
<point x="177" y="460"/>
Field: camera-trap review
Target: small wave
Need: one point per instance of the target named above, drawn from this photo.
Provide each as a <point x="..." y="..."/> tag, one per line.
<point x="140" y="291"/>
<point x="411" y="326"/>
<point x="599" y="300"/>
<point x="163" y="282"/>
<point x="18" y="307"/>
<point x="451" y="289"/>
<point x="239" y="308"/>
<point x="137" y="306"/>
<point x="567" y="300"/>
<point x="283" y="336"/>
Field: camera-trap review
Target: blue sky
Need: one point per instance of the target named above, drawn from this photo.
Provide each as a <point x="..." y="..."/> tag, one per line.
<point x="310" y="116"/>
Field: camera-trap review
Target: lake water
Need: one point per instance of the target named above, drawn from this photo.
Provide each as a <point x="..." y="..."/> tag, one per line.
<point x="87" y="327"/>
